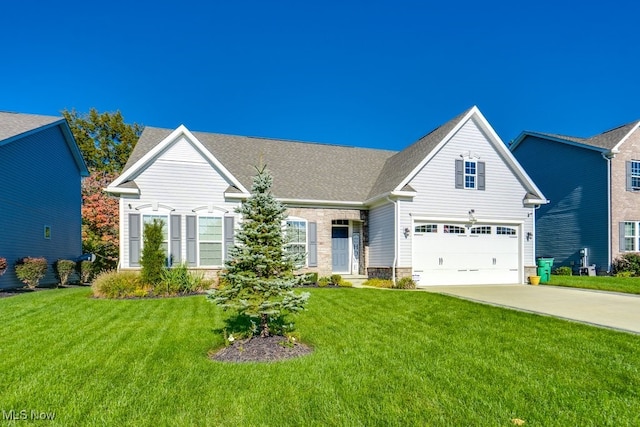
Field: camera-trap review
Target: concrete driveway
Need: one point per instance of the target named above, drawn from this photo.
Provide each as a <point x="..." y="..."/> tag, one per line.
<point x="605" y="309"/>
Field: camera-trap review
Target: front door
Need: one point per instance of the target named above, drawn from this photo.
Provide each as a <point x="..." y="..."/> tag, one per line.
<point x="340" y="249"/>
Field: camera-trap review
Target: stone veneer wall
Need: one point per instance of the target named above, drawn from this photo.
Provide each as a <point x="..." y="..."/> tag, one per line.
<point x="323" y="217"/>
<point x="387" y="272"/>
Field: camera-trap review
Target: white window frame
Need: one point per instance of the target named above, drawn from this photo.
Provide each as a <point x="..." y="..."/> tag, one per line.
<point x="472" y="176"/>
<point x="199" y="241"/>
<point x="631" y="237"/>
<point x="306" y="236"/>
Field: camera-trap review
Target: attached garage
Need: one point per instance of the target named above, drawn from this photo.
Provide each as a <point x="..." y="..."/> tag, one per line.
<point x="450" y="253"/>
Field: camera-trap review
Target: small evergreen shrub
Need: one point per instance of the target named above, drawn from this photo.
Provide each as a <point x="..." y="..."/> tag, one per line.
<point x="624" y="274"/>
<point x="153" y="257"/>
<point x="31" y="270"/>
<point x="345" y="284"/>
<point x="627" y="263"/>
<point x="310" y="279"/>
<point x="64" y="268"/>
<point x="405" y="283"/>
<point x="324" y="282"/>
<point x="379" y="283"/>
<point x="86" y="270"/>
<point x="119" y="284"/>
<point x="563" y="271"/>
<point x="336" y="279"/>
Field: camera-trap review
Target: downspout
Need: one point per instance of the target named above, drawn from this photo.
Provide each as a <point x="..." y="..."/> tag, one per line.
<point x="608" y="156"/>
<point x="395" y="239"/>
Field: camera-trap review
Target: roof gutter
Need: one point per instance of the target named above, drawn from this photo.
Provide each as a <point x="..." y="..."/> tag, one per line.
<point x="608" y="156"/>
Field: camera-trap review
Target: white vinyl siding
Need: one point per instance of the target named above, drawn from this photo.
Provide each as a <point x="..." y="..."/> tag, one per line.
<point x="381" y="235"/>
<point x="181" y="179"/>
<point x="501" y="200"/>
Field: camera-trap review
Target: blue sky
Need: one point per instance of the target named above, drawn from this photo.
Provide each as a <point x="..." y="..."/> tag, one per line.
<point x="371" y="73"/>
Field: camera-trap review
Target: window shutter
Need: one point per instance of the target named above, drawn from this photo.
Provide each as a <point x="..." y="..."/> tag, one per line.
<point x="176" y="247"/>
<point x="313" y="244"/>
<point x="191" y="240"/>
<point x="229" y="236"/>
<point x="628" y="169"/>
<point x="481" y="175"/>
<point x="134" y="240"/>
<point x="459" y="173"/>
<point x="621" y="238"/>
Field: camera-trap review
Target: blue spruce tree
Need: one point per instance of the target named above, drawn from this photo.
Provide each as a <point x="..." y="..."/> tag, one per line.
<point x="258" y="279"/>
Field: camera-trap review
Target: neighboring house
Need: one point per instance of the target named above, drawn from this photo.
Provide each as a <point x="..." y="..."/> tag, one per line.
<point x="453" y="208"/>
<point x="41" y="169"/>
<point x="594" y="189"/>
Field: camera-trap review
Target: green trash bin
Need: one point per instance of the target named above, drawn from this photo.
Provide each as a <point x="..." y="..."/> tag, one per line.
<point x="544" y="269"/>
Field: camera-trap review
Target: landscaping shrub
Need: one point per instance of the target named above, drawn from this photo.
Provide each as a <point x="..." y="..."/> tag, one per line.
<point x="178" y="280"/>
<point x="323" y="282"/>
<point x="30" y="270"/>
<point x="563" y="271"/>
<point x="86" y="270"/>
<point x="309" y="279"/>
<point x="119" y="284"/>
<point x="627" y="263"/>
<point x="336" y="279"/>
<point x="3" y="265"/>
<point x="379" y="283"/>
<point x="153" y="257"/>
<point x="345" y="284"/>
<point x="64" y="268"/>
<point x="405" y="283"/>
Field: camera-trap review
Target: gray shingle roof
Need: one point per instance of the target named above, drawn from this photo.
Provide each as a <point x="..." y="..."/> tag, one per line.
<point x="14" y="124"/>
<point x="310" y="171"/>
<point x="301" y="170"/>
<point x="606" y="140"/>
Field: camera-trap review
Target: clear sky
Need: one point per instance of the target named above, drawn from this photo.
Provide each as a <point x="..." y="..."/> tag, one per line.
<point x="372" y="73"/>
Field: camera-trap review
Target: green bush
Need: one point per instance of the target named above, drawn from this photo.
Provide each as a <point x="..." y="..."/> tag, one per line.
<point x="178" y="280"/>
<point x="86" y="269"/>
<point x="624" y="274"/>
<point x="345" y="284"/>
<point x="627" y="263"/>
<point x="405" y="283"/>
<point x="30" y="270"/>
<point x="323" y="282"/>
<point x="379" y="283"/>
<point x="563" y="271"/>
<point x="153" y="256"/>
<point x="64" y="268"/>
<point x="119" y="284"/>
<point x="336" y="279"/>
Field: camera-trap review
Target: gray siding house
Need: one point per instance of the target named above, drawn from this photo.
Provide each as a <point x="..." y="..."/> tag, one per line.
<point x="455" y="207"/>
<point x="41" y="169"/>
<point x="593" y="185"/>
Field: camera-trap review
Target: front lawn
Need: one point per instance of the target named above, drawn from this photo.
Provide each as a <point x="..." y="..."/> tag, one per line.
<point x="382" y="358"/>
<point x="629" y="285"/>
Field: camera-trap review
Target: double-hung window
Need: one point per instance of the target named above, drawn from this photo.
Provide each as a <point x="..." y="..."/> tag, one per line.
<point x="209" y="241"/>
<point x="148" y="219"/>
<point x="297" y="236"/>
<point x="470" y="174"/>
<point x="629" y="236"/>
<point x="633" y="175"/>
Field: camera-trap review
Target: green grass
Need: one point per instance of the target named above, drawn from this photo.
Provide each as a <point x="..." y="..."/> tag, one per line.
<point x="629" y="285"/>
<point x="381" y="359"/>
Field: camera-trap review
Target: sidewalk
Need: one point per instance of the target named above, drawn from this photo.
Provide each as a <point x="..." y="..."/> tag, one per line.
<point x="605" y="309"/>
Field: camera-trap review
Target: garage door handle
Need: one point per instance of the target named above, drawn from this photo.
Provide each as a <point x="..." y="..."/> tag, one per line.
<point x="439" y="261"/>
<point x="494" y="261"/>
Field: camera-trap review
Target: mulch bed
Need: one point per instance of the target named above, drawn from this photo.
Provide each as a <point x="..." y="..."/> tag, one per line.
<point x="257" y="349"/>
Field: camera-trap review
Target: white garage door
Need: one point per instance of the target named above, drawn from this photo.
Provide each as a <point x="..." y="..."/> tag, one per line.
<point x="456" y="254"/>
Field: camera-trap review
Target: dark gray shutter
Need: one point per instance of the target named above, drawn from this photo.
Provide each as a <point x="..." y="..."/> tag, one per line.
<point x="459" y="173"/>
<point x="621" y="243"/>
<point x="134" y="240"/>
<point x="176" y="246"/>
<point x="191" y="240"/>
<point x="229" y="236"/>
<point x="313" y="244"/>
<point x="628" y="168"/>
<point x="481" y="175"/>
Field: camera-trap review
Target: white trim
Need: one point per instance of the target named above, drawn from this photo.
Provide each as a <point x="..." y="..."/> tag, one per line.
<point x="113" y="190"/>
<point x="160" y="147"/>
<point x="479" y="220"/>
